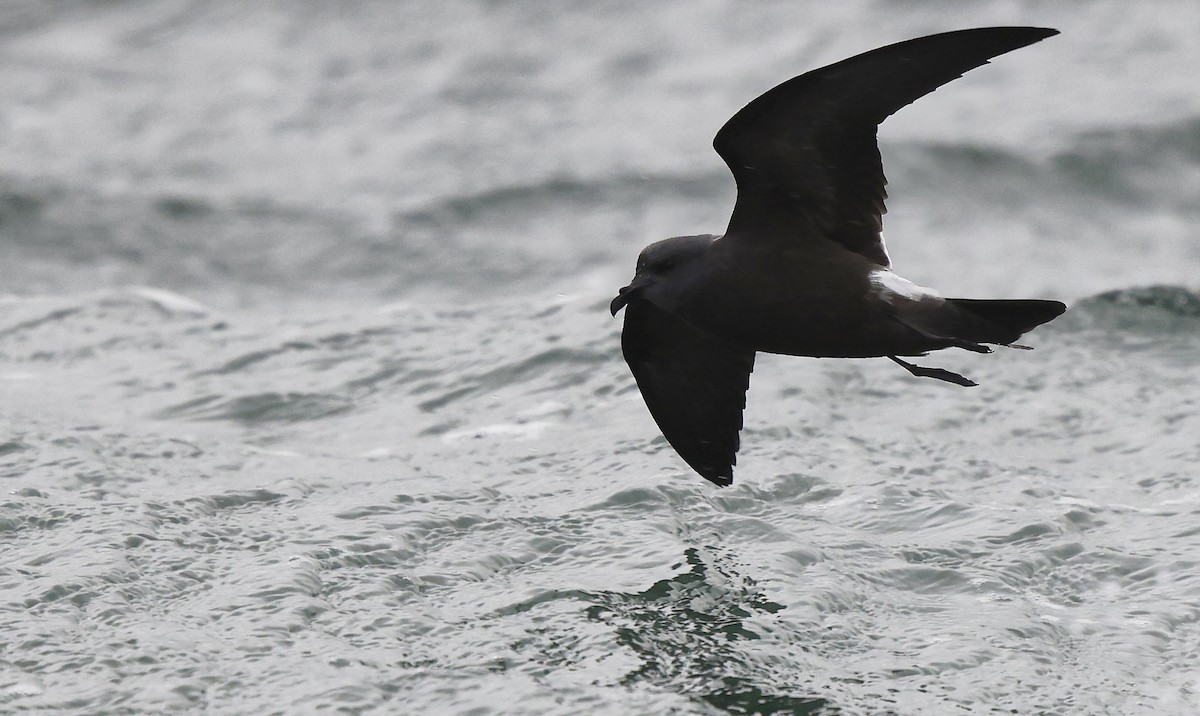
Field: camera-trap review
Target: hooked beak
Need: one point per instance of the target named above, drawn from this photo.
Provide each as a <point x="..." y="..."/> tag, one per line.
<point x="627" y="294"/>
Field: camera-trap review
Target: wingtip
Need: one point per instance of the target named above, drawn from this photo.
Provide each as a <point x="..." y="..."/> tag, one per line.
<point x="1002" y="38"/>
<point x="1013" y="37"/>
<point x="1029" y="29"/>
<point x="1035" y="34"/>
<point x="721" y="477"/>
<point x="1041" y="33"/>
<point x="719" y="480"/>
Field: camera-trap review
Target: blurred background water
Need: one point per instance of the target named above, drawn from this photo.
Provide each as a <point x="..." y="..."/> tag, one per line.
<point x="310" y="399"/>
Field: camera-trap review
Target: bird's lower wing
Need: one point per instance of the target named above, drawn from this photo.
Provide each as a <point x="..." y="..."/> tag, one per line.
<point x="695" y="386"/>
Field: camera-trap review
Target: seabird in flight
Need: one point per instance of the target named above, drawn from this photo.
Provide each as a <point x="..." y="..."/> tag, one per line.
<point x="802" y="269"/>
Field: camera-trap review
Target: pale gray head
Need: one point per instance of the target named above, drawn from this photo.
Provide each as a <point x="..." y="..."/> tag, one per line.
<point x="657" y="263"/>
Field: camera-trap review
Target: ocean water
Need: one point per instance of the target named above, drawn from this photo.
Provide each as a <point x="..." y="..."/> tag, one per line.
<point x="310" y="400"/>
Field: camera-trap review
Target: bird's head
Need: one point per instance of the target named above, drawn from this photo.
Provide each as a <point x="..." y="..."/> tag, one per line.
<point x="657" y="263"/>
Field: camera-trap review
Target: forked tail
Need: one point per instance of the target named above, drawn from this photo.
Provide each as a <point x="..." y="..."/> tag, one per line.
<point x="998" y="321"/>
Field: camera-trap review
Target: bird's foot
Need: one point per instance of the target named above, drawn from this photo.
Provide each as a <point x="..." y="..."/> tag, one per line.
<point x="935" y="373"/>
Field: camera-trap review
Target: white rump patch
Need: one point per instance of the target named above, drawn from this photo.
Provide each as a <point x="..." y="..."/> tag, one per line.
<point x="883" y="247"/>
<point x="890" y="287"/>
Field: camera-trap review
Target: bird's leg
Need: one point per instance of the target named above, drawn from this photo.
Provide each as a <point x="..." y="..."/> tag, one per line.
<point x="935" y="373"/>
<point x="943" y="341"/>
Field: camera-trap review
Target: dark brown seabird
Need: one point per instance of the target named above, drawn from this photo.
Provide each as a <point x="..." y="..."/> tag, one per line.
<point x="802" y="269"/>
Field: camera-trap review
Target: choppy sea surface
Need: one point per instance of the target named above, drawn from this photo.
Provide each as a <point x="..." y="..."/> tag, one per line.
<point x="310" y="400"/>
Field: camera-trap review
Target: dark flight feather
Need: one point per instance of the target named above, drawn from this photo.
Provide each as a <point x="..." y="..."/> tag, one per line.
<point x="806" y="151"/>
<point x="695" y="386"/>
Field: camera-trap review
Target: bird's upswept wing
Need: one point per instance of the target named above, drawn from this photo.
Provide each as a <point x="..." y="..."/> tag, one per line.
<point x="694" y="385"/>
<point x="806" y="150"/>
